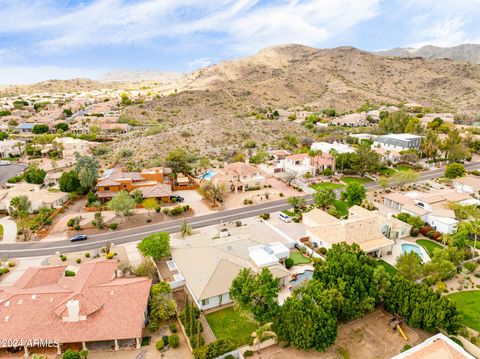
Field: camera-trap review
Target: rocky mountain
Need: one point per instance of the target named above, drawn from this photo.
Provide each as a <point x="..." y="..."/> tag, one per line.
<point x="54" y="86"/>
<point x="464" y="52"/>
<point x="141" y="76"/>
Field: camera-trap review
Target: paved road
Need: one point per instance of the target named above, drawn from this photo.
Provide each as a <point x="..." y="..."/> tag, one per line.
<point x="30" y="249"/>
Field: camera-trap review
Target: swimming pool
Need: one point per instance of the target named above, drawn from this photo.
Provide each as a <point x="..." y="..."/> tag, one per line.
<point x="207" y="175"/>
<point x="407" y="248"/>
<point x="301" y="278"/>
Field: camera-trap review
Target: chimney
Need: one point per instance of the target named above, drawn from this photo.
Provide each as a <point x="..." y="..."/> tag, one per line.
<point x="73" y="308"/>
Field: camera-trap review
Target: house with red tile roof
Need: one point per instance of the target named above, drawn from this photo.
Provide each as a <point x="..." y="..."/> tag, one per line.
<point x="94" y="305"/>
<point x="303" y="163"/>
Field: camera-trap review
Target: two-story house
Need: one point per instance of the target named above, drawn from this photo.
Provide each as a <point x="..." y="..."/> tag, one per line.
<point x="239" y="176"/>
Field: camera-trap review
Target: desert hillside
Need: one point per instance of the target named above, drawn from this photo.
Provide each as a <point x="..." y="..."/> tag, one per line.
<point x="463" y="52"/>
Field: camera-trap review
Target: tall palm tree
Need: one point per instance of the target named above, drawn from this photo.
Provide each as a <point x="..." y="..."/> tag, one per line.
<point x="473" y="225"/>
<point x="261" y="334"/>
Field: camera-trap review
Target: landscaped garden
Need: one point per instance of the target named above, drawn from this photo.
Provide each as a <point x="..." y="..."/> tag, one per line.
<point x="341" y="207"/>
<point x="388" y="267"/>
<point x="468" y="304"/>
<point x="228" y="323"/>
<point x="299" y="258"/>
<point x="386" y="171"/>
<point x="360" y="180"/>
<point x="404" y="167"/>
<point x="429" y="246"/>
<point x="326" y="185"/>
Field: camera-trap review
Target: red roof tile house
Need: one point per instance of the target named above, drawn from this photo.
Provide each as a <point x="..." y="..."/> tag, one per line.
<point x="92" y="306"/>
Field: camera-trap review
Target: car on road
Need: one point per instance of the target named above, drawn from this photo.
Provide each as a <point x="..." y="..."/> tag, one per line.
<point x="177" y="199"/>
<point x="78" y="237"/>
<point x="285" y="217"/>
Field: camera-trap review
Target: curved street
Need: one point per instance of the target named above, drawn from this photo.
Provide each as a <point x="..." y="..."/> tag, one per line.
<point x="31" y="249"/>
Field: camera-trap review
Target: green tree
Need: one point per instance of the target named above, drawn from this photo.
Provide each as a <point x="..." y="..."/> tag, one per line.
<point x="212" y="192"/>
<point x="401" y="178"/>
<point x="150" y="204"/>
<point x="440" y="267"/>
<point x="22" y="206"/>
<point x="324" y="197"/>
<point x="34" y="174"/>
<point x="256" y="293"/>
<point x="38" y="129"/>
<point x="409" y="265"/>
<point x="86" y="168"/>
<point x="296" y="202"/>
<point x="178" y="161"/>
<point x="454" y="170"/>
<point x="122" y="204"/>
<point x="69" y="182"/>
<point x="62" y="126"/>
<point x="366" y="160"/>
<point x="430" y="144"/>
<point x="155" y="245"/>
<point x="261" y="334"/>
<point x="354" y="194"/>
<point x="137" y="196"/>
<point x="394" y="123"/>
<point x="414" y="126"/>
<point x="161" y="305"/>
<point x="3" y="136"/>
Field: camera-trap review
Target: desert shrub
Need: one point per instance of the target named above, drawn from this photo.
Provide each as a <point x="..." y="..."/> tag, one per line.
<point x="248" y="353"/>
<point x="87" y="255"/>
<point x="4" y="271"/>
<point x="63" y="258"/>
<point x="113" y="226"/>
<point x="78" y="260"/>
<point x="265" y="216"/>
<point x="174" y="341"/>
<point x="110" y="255"/>
<point x="159" y="344"/>
<point x="288" y="263"/>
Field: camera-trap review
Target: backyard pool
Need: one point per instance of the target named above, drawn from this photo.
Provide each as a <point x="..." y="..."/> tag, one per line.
<point x="301" y="277"/>
<point x="407" y="248"/>
<point x="207" y="175"/>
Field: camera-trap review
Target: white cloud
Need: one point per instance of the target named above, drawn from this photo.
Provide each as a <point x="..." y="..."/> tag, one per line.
<point x="27" y="75"/>
<point x="201" y="62"/>
<point x="245" y="25"/>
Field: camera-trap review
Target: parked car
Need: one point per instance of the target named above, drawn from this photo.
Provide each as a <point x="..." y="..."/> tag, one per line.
<point x="78" y="237"/>
<point x="177" y="198"/>
<point x="285" y="217"/>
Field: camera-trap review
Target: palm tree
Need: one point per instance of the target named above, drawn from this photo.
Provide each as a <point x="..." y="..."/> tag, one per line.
<point x="261" y="334"/>
<point x="473" y="225"/>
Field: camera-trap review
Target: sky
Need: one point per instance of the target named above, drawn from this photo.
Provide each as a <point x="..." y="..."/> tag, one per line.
<point x="48" y="39"/>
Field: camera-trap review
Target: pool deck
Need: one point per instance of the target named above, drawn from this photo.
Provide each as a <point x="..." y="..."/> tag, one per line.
<point x="397" y="251"/>
<point x="285" y="291"/>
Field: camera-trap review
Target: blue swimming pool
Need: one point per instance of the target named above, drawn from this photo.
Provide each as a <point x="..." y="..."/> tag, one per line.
<point x="207" y="175"/>
<point x="301" y="279"/>
<point x="407" y="248"/>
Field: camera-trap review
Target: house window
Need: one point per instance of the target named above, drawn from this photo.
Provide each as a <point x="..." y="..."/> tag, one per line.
<point x="205" y="302"/>
<point x="106" y="188"/>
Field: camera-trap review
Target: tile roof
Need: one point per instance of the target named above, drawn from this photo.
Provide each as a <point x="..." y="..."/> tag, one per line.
<point x="157" y="191"/>
<point x="36" y="306"/>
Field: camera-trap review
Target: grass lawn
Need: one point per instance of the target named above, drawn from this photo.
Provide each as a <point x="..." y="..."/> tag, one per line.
<point x="229" y="324"/>
<point x="468" y="304"/>
<point x="341" y="207"/>
<point x="403" y="167"/>
<point x="299" y="258"/>
<point x="1" y="230"/>
<point x="428" y="245"/>
<point x="360" y="180"/>
<point x="386" y="171"/>
<point x="290" y="213"/>
<point x="326" y="185"/>
<point x="388" y="267"/>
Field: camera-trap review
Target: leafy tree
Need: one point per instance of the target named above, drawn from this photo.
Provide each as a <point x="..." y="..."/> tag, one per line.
<point x="62" y="126"/>
<point x="161" y="305"/>
<point x="308" y="318"/>
<point x="350" y="271"/>
<point x="440" y="267"/>
<point x="430" y="144"/>
<point x="69" y="182"/>
<point x="395" y="122"/>
<point x="344" y="161"/>
<point x="22" y="206"/>
<point x="86" y="168"/>
<point x="454" y="170"/>
<point x="3" y="136"/>
<point x="137" y="196"/>
<point x="414" y="126"/>
<point x="34" y="174"/>
<point x="435" y="123"/>
<point x="409" y="265"/>
<point x="324" y="197"/>
<point x="178" y="161"/>
<point x="41" y="128"/>
<point x="366" y="160"/>
<point x="296" y="202"/>
<point x="256" y="293"/>
<point x="122" y="204"/>
<point x="354" y="194"/>
<point x="403" y="177"/>
<point x="261" y="334"/>
<point x="150" y="204"/>
<point x="155" y="245"/>
<point x="212" y="192"/>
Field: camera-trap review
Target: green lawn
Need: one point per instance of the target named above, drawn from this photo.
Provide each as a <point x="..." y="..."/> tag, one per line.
<point x="360" y="180"/>
<point x="326" y="185"/>
<point x="290" y="213"/>
<point x="386" y="171"/>
<point x="1" y="230"/>
<point x="403" y="167"/>
<point x="468" y="304"/>
<point x="299" y="258"/>
<point x="229" y="324"/>
<point x="341" y="207"/>
<point x="429" y="246"/>
<point x="388" y="267"/>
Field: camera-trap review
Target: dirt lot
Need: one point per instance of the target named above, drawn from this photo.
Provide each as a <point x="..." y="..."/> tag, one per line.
<point x="368" y="337"/>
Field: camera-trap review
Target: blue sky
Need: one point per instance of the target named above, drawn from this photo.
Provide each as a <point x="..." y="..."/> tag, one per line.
<point x="42" y="39"/>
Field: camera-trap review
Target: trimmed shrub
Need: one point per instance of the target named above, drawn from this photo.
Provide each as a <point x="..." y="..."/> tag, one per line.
<point x="78" y="260"/>
<point x="215" y="349"/>
<point x="159" y="344"/>
<point x="322" y="250"/>
<point x="165" y="340"/>
<point x="289" y="263"/>
<point x="436" y="235"/>
<point x="265" y="216"/>
<point x="87" y="255"/>
<point x="173" y="327"/>
<point x="425" y="230"/>
<point x="174" y="341"/>
<point x="113" y="226"/>
<point x="414" y="232"/>
<point x="110" y="255"/>
<point x="248" y="353"/>
<point x="63" y="258"/>
<point x="69" y="273"/>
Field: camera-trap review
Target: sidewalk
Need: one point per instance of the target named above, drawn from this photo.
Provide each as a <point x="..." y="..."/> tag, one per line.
<point x="9" y="230"/>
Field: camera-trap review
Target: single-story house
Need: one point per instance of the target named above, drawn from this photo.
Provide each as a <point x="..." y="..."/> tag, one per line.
<point x="468" y="184"/>
<point x="39" y="197"/>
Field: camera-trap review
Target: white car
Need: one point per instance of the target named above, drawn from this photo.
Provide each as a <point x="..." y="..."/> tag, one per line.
<point x="285" y="217"/>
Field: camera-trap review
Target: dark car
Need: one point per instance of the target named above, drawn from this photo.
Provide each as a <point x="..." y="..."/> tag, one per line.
<point x="78" y="237"/>
<point x="177" y="198"/>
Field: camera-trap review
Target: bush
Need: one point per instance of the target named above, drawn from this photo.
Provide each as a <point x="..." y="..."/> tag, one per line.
<point x="322" y="250"/>
<point x="265" y="216"/>
<point x="436" y="235"/>
<point x="110" y="255"/>
<point x="327" y="172"/>
<point x="281" y="194"/>
<point x="425" y="230"/>
<point x="158" y="209"/>
<point x="71" y="222"/>
<point x="193" y="341"/>
<point x="174" y="341"/>
<point x="11" y="264"/>
<point x="113" y="226"/>
<point x="470" y="266"/>
<point x="414" y="232"/>
<point x="165" y="340"/>
<point x="159" y="344"/>
<point x="78" y="260"/>
<point x="215" y="349"/>
<point x="69" y="273"/>
<point x="172" y="327"/>
<point x="454" y="170"/>
<point x="4" y="271"/>
<point x="87" y="255"/>
<point x="248" y="353"/>
<point x="289" y="263"/>
<point x="63" y="258"/>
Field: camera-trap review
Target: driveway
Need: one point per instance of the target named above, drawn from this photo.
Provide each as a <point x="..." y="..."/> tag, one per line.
<point x="9" y="230"/>
<point x="9" y="171"/>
